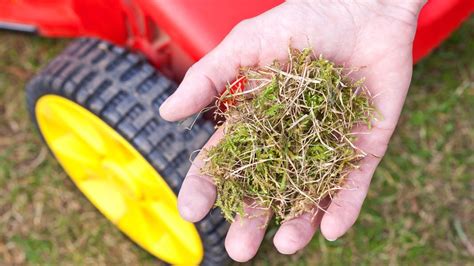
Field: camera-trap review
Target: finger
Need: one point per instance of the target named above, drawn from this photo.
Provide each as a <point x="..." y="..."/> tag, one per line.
<point x="346" y="204"/>
<point x="207" y="78"/>
<point x="201" y="84"/>
<point x="295" y="234"/>
<point x="246" y="234"/>
<point x="198" y="193"/>
<point x="389" y="92"/>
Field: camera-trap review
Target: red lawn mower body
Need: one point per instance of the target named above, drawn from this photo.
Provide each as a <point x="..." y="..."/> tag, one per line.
<point x="175" y="33"/>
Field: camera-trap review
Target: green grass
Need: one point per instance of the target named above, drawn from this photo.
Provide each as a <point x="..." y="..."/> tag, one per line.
<point x="419" y="209"/>
<point x="44" y="219"/>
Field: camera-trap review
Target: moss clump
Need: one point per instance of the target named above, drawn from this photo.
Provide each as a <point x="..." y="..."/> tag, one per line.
<point x="287" y="139"/>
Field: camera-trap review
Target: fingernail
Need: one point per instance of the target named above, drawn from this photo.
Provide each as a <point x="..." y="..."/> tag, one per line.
<point x="331" y="239"/>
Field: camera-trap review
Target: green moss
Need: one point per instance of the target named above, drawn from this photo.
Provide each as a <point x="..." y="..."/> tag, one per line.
<point x="287" y="143"/>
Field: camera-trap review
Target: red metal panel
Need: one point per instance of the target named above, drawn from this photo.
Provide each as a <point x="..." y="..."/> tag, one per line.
<point x="68" y="18"/>
<point x="195" y="26"/>
<point x="198" y="26"/>
<point x="437" y="20"/>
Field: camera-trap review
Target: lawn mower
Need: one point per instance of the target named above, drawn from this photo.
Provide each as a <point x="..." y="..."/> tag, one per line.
<point x="96" y="104"/>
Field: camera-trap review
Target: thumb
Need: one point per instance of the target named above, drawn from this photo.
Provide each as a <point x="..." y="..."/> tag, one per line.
<point x="207" y="78"/>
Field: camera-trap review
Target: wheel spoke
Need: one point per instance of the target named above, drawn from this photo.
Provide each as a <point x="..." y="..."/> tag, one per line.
<point x="106" y="198"/>
<point x="123" y="178"/>
<point x="171" y="249"/>
<point x="47" y="119"/>
<point x="83" y="128"/>
<point x="144" y="178"/>
<point x="75" y="157"/>
<point x="172" y="223"/>
<point x="137" y="227"/>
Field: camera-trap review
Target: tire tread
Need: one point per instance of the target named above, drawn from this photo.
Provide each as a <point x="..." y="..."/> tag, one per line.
<point x="125" y="91"/>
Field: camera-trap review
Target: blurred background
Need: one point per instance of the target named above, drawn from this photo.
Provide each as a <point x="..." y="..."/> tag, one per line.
<point x="420" y="208"/>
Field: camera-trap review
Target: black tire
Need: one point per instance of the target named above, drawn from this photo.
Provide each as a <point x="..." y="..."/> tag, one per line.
<point x="122" y="89"/>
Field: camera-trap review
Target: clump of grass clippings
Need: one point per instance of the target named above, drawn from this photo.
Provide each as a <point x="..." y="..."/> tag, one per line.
<point x="287" y="139"/>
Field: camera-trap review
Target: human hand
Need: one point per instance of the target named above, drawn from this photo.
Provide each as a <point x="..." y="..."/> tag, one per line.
<point x="376" y="35"/>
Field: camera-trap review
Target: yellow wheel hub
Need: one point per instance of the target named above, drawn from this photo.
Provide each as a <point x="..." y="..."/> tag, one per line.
<point x="116" y="178"/>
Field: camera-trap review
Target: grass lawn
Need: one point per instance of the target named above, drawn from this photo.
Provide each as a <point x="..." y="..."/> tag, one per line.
<point x="420" y="208"/>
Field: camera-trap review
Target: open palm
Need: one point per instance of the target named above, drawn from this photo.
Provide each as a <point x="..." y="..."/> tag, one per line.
<point x="375" y="35"/>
